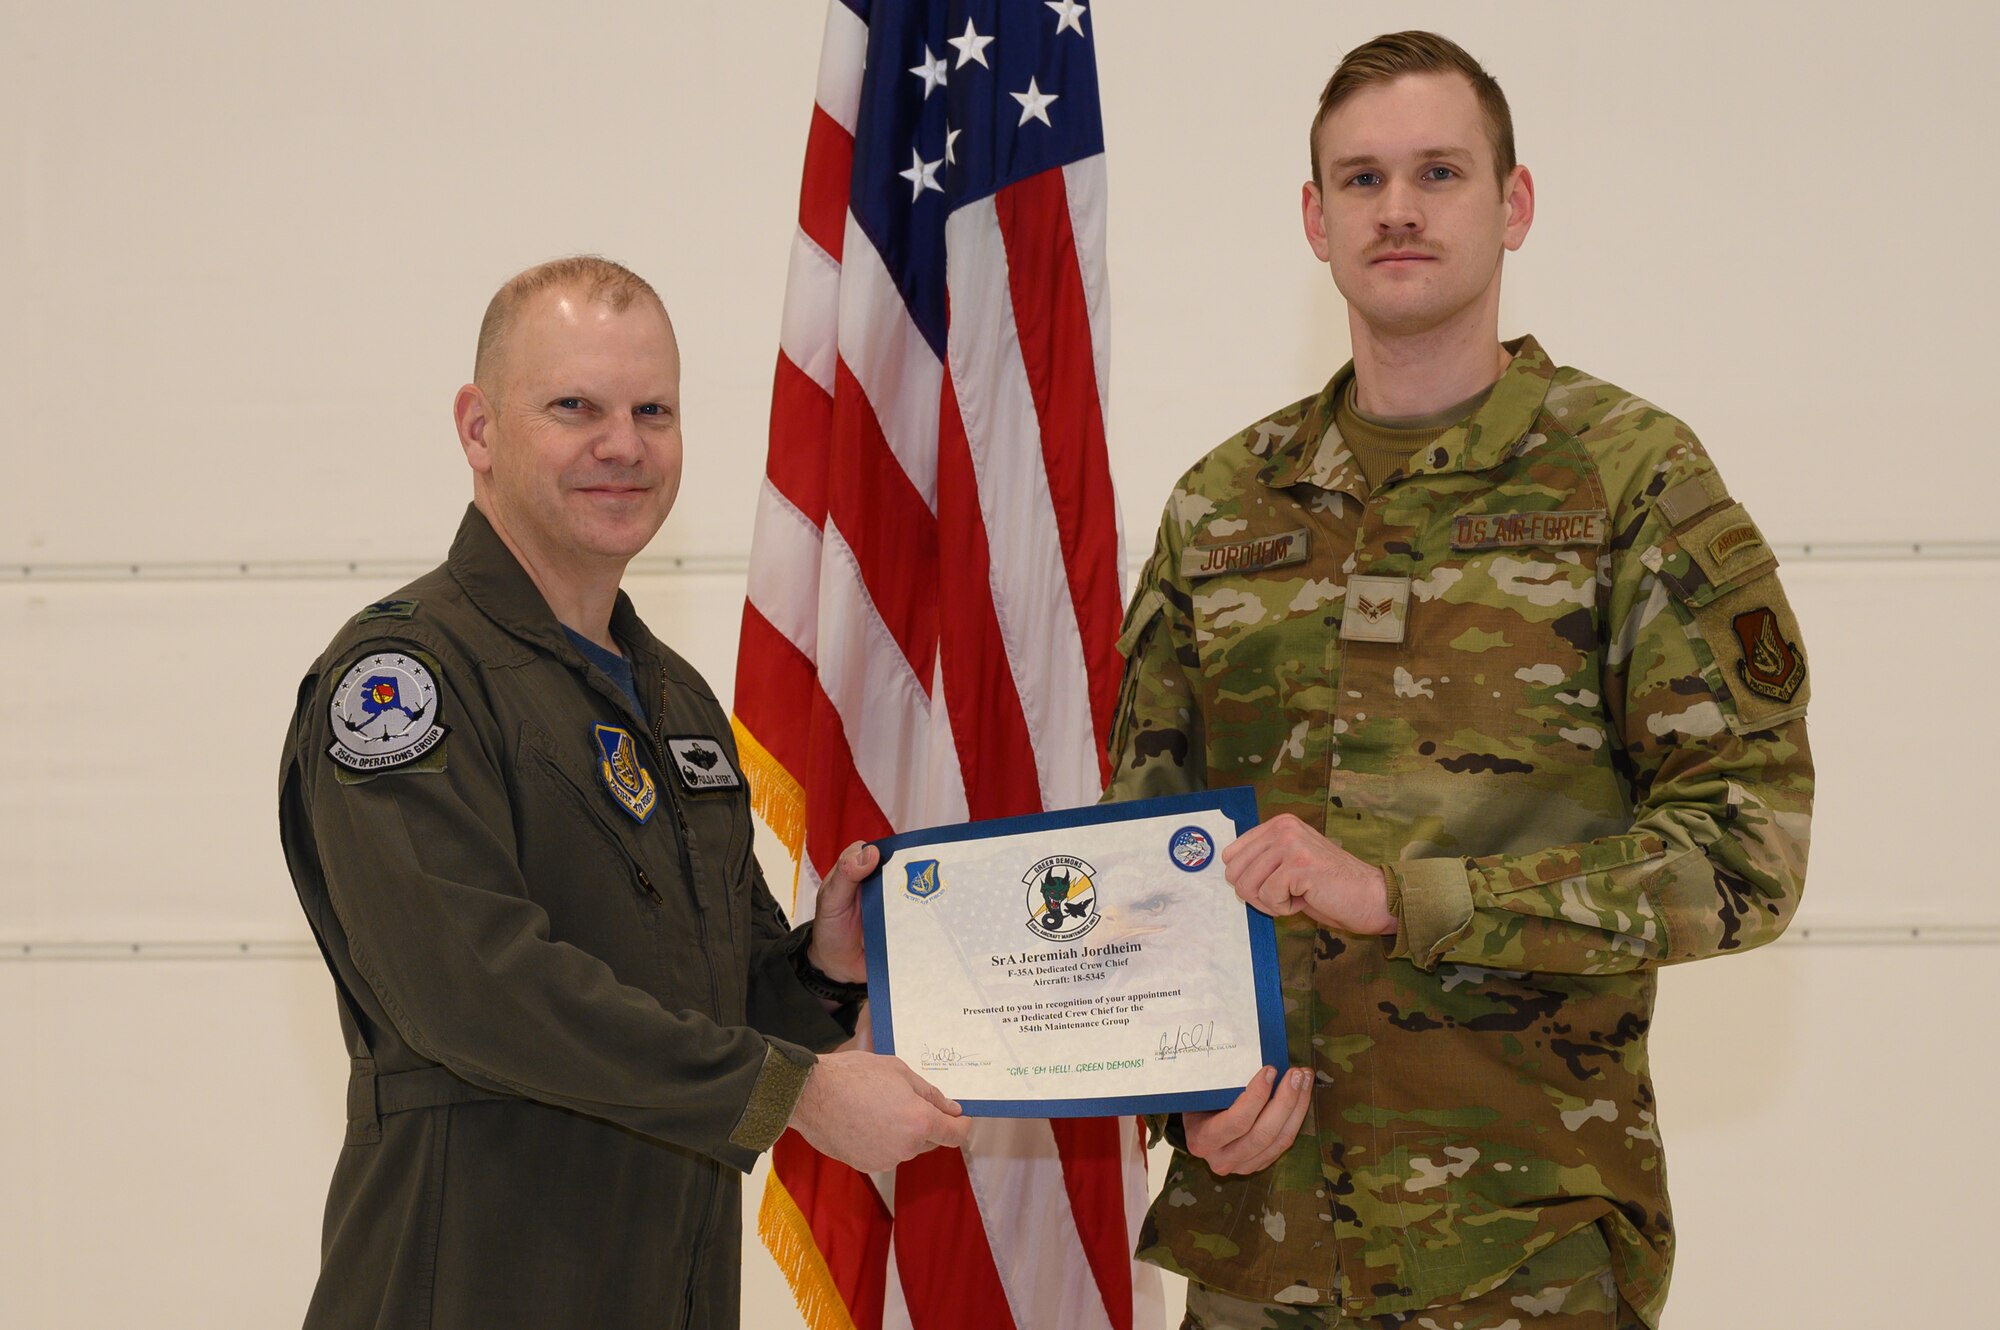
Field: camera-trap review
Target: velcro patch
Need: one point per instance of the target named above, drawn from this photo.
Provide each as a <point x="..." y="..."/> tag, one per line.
<point x="387" y="609"/>
<point x="1489" y="531"/>
<point x="1375" y="609"/>
<point x="1691" y="498"/>
<point x="701" y="764"/>
<point x="1247" y="556"/>
<point x="385" y="713"/>
<point x="1771" y="666"/>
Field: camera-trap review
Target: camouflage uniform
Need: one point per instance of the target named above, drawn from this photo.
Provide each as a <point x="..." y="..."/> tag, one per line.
<point x="1545" y="676"/>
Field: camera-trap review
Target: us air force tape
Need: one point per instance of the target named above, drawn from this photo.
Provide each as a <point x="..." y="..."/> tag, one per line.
<point x="385" y="713"/>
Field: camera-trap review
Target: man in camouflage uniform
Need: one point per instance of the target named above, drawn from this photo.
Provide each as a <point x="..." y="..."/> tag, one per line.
<point x="1523" y="705"/>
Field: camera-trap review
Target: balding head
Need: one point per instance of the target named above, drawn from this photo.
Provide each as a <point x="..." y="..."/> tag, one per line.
<point x="597" y="280"/>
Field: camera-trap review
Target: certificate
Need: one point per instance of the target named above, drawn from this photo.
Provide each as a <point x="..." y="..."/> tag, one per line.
<point x="1082" y="963"/>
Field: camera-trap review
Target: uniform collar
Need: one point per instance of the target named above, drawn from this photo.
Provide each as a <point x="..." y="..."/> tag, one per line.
<point x="1317" y="455"/>
<point x="500" y="587"/>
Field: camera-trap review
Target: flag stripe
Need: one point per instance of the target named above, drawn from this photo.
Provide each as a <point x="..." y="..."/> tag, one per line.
<point x="801" y="420"/>
<point x="1018" y="1177"/>
<point x="790" y="605"/>
<point x="842" y="809"/>
<point x="994" y="750"/>
<point x="1031" y="597"/>
<point x="1054" y="325"/>
<point x="949" y="1279"/>
<point x="1093" y="1167"/>
<point x="884" y="706"/>
<point x="806" y="334"/>
<point x="1084" y="186"/>
<point x="843" y="57"/>
<point x="823" y="196"/>
<point x="887" y="526"/>
<point x="770" y="670"/>
<point x="891" y="359"/>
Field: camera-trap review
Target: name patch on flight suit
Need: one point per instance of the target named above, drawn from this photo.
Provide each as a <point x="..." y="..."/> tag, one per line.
<point x="631" y="785"/>
<point x="701" y="764"/>
<point x="1247" y="556"/>
<point x="385" y="714"/>
<point x="1492" y="531"/>
<point x="1377" y="609"/>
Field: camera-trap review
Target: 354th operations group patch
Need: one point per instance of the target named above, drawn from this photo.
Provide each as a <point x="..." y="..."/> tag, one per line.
<point x="385" y="713"/>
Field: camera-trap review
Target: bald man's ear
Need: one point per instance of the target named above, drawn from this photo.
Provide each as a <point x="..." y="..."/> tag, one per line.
<point x="474" y="415"/>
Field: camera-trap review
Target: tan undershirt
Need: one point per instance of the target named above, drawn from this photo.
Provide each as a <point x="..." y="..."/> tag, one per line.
<point x="1381" y="446"/>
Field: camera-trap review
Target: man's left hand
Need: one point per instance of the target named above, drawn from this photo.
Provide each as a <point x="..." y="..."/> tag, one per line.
<point x="835" y="949"/>
<point x="1285" y="867"/>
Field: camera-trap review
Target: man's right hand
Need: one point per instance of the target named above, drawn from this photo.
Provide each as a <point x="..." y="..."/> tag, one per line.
<point x="873" y="1112"/>
<point x="1251" y="1133"/>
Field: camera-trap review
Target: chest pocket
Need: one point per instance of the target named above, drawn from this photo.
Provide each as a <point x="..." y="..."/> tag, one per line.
<point x="611" y="887"/>
<point x="1268" y="647"/>
<point x="1500" y="667"/>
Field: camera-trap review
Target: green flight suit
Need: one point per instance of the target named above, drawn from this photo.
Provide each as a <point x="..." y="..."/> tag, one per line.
<point x="571" y="1029"/>
<point x="1545" y="675"/>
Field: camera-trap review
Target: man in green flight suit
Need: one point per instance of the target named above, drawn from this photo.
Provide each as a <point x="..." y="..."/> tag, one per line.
<point x="517" y="824"/>
<point x="1524" y="708"/>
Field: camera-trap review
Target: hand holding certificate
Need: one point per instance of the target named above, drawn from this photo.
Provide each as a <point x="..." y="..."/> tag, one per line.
<point x="1082" y="963"/>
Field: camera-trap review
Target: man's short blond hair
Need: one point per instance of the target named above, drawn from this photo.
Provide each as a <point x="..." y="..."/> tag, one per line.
<point x="598" y="279"/>
<point x="1396" y="54"/>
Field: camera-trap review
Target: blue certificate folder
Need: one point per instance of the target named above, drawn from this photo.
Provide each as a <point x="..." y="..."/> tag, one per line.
<point x="906" y="851"/>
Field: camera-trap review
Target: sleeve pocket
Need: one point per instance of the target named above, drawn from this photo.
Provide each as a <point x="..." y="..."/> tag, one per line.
<point x="1725" y="574"/>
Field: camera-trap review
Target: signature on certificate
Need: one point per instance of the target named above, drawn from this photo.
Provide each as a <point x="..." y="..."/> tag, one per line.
<point x="1196" y="1038"/>
<point x="939" y="1059"/>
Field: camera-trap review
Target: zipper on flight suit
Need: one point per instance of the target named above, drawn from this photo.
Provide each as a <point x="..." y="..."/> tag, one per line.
<point x="701" y="931"/>
<point x="686" y="839"/>
<point x="646" y="884"/>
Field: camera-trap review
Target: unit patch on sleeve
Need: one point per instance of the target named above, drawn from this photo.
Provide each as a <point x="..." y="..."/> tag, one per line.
<point x="1247" y="556"/>
<point x="631" y="785"/>
<point x="385" y="713"/>
<point x="701" y="764"/>
<point x="1770" y="665"/>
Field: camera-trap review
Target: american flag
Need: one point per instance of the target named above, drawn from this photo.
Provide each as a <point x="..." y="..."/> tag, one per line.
<point x="935" y="592"/>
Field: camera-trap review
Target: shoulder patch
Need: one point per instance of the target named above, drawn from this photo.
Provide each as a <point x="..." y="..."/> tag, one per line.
<point x="385" y="713"/>
<point x="387" y="609"/>
<point x="701" y="764"/>
<point x="1772" y="665"/>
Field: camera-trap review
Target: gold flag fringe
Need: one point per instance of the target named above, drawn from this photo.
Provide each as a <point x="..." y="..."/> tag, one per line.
<point x="789" y="1239"/>
<point x="774" y="795"/>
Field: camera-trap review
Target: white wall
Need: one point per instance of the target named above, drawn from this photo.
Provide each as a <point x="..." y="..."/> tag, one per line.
<point x="243" y="250"/>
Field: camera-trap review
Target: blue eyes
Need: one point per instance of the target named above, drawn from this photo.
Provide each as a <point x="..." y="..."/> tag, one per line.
<point x="654" y="410"/>
<point x="1434" y="174"/>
